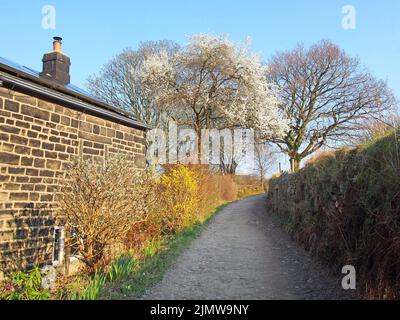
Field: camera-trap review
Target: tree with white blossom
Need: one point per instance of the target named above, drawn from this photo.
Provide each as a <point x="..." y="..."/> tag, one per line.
<point x="213" y="83"/>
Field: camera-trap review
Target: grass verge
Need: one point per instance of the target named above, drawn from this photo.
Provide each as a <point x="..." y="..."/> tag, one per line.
<point x="152" y="269"/>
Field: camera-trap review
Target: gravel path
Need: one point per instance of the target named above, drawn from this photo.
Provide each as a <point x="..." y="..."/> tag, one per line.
<point x="243" y="254"/>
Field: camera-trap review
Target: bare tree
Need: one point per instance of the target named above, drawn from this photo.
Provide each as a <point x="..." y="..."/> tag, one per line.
<point x="326" y="95"/>
<point x="264" y="158"/>
<point x="228" y="167"/>
<point x="229" y="163"/>
<point x="119" y="83"/>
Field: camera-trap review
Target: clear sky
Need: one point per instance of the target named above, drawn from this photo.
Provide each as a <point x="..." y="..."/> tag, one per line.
<point x="95" y="31"/>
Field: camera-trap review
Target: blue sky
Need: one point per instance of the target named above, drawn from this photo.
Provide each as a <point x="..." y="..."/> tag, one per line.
<point x="94" y="31"/>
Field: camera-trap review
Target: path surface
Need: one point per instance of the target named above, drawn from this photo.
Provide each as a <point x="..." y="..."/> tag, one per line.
<point x="243" y="254"/>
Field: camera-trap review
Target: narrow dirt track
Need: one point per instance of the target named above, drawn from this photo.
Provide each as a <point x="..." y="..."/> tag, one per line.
<point x="243" y="254"/>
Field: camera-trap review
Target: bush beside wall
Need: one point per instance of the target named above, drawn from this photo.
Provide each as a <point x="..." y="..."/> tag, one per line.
<point x="345" y="209"/>
<point x="184" y="195"/>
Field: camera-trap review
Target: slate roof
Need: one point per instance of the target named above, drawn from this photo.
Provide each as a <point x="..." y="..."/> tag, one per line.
<point x="22" y="73"/>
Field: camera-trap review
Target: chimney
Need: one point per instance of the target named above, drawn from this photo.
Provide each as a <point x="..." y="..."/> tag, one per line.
<point x="56" y="64"/>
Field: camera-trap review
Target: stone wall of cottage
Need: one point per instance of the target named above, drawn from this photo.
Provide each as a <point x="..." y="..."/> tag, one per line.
<point x="37" y="139"/>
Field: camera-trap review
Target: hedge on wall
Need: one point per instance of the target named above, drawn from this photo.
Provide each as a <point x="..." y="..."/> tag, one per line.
<point x="345" y="209"/>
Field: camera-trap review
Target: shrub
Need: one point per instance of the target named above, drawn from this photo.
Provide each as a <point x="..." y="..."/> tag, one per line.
<point x="112" y="203"/>
<point x="24" y="286"/>
<point x="100" y="202"/>
<point x="186" y="194"/>
<point x="228" y="188"/>
<point x="178" y="189"/>
<point x="210" y="190"/>
<point x="143" y="233"/>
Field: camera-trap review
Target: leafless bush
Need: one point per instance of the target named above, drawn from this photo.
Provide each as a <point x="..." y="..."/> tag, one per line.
<point x="100" y="202"/>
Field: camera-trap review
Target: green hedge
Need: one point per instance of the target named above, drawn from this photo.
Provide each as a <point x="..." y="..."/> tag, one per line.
<point x="345" y="209"/>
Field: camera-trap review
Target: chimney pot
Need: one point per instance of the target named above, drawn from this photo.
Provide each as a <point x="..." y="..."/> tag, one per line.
<point x="57" y="44"/>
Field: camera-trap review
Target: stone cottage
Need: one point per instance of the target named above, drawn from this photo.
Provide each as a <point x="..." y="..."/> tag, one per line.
<point x="44" y="121"/>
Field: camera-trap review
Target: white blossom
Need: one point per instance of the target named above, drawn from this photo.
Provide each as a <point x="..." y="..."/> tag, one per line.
<point x="211" y="82"/>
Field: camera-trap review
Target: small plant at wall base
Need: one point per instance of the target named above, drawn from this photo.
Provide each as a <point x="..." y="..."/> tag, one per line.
<point x="92" y="289"/>
<point x="24" y="286"/>
<point x="122" y="267"/>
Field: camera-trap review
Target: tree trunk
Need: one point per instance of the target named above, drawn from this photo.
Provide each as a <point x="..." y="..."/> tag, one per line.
<point x="295" y="163"/>
<point x="199" y="146"/>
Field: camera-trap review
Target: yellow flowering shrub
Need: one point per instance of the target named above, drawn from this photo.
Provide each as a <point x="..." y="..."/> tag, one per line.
<point x="186" y="194"/>
<point x="179" y="201"/>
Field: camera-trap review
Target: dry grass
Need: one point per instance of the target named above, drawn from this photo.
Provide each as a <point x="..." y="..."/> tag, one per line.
<point x="248" y="185"/>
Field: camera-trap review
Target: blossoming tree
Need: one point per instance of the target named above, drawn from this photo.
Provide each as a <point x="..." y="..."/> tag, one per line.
<point x="213" y="83"/>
